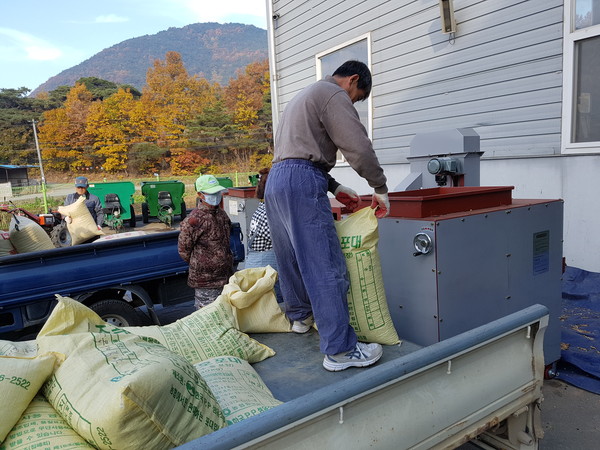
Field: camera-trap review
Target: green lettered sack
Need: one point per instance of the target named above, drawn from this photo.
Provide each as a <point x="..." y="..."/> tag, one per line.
<point x="121" y="391"/>
<point x="22" y="374"/>
<point x="240" y="391"/>
<point x="41" y="427"/>
<point x="369" y="313"/>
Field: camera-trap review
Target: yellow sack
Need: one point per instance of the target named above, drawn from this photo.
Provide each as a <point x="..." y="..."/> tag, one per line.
<point x="28" y="236"/>
<point x="69" y="317"/>
<point x="121" y="391"/>
<point x="67" y="320"/>
<point x="211" y="331"/>
<point x="240" y="391"/>
<point x="204" y="334"/>
<point x="41" y="427"/>
<point x="82" y="226"/>
<point x="369" y="313"/>
<point x="255" y="307"/>
<point x="22" y="374"/>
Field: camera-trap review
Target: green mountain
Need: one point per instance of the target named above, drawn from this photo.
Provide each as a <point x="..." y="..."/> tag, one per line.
<point x="211" y="50"/>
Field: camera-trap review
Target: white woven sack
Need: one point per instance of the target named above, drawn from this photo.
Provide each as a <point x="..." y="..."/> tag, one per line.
<point x="27" y="236"/>
<point x="82" y="226"/>
<point x="6" y="248"/>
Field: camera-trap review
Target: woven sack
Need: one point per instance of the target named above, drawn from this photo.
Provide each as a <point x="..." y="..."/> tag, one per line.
<point x="369" y="312"/>
<point x="238" y="388"/>
<point x="6" y="247"/>
<point x="250" y="292"/>
<point x="82" y="226"/>
<point x="41" y="427"/>
<point x="28" y="236"/>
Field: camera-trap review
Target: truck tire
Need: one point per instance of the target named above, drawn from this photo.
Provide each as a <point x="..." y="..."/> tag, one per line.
<point x="60" y="235"/>
<point x="145" y="215"/>
<point x="132" y="220"/>
<point x="183" y="210"/>
<point x="118" y="313"/>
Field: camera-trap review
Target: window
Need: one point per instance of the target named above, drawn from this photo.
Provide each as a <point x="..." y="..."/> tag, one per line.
<point x="581" y="117"/>
<point x="360" y="50"/>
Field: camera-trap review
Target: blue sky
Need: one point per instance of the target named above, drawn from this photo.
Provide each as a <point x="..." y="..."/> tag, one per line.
<point x="41" y="38"/>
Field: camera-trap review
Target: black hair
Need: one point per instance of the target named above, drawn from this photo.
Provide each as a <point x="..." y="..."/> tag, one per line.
<point x="262" y="183"/>
<point x="354" y="67"/>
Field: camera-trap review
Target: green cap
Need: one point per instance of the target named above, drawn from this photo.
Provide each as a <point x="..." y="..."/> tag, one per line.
<point x="208" y="184"/>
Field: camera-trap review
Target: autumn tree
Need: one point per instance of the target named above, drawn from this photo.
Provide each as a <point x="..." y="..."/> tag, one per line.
<point x="248" y="101"/>
<point x="147" y="158"/>
<point x="114" y="125"/>
<point x="63" y="137"/>
<point x="172" y="98"/>
<point x="212" y="134"/>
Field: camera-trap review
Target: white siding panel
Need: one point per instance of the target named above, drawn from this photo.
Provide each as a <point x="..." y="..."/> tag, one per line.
<point x="522" y="113"/>
<point x="511" y="50"/>
<point x="520" y="77"/>
<point x="500" y="75"/>
<point x="544" y="88"/>
<point x="547" y="100"/>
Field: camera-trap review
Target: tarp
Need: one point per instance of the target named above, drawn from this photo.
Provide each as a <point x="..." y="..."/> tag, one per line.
<point x="580" y="336"/>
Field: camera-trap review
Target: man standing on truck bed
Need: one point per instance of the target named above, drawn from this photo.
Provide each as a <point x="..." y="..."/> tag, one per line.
<point x="316" y="123"/>
<point x="91" y="201"/>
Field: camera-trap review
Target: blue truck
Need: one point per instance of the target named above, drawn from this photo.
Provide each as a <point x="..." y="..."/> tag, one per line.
<point x="121" y="279"/>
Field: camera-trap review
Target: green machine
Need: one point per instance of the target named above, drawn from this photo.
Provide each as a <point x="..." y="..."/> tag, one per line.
<point x="253" y="179"/>
<point x="164" y="200"/>
<point x="117" y="202"/>
<point x="226" y="182"/>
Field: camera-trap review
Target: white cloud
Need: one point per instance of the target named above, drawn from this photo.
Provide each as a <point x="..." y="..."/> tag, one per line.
<point x="111" y="18"/>
<point x="16" y="45"/>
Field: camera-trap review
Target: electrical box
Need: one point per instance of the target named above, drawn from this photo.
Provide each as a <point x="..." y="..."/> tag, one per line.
<point x="446" y="274"/>
<point x="240" y="204"/>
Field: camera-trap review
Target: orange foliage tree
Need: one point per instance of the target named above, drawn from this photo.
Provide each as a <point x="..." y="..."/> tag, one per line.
<point x="62" y="132"/>
<point x="172" y="98"/>
<point x="115" y="124"/>
<point x="181" y="122"/>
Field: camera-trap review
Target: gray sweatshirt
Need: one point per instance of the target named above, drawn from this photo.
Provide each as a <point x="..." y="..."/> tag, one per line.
<point x="320" y="120"/>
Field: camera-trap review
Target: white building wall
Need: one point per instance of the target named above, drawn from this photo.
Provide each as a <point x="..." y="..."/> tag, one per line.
<point x="500" y="74"/>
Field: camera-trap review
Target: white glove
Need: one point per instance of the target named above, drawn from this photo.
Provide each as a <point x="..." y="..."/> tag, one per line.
<point x="348" y="197"/>
<point x="381" y="204"/>
<point x="68" y="219"/>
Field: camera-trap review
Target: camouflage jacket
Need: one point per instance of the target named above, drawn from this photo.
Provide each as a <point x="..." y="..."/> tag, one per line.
<point x="204" y="245"/>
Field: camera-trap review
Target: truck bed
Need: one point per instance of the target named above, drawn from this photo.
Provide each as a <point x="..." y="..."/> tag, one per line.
<point x="297" y="368"/>
<point x="439" y="396"/>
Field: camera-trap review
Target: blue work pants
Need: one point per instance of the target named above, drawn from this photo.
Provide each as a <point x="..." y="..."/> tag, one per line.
<point x="312" y="269"/>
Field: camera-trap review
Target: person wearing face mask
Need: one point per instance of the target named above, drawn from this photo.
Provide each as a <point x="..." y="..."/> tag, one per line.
<point x="204" y="243"/>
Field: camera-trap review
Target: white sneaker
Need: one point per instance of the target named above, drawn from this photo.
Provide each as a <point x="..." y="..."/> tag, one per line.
<point x="362" y="355"/>
<point x="302" y="326"/>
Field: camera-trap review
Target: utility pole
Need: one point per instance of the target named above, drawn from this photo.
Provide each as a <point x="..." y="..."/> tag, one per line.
<point x="39" y="153"/>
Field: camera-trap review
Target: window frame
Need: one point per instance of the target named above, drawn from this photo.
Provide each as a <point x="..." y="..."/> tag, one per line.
<point x="318" y="56"/>
<point x="570" y="38"/>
